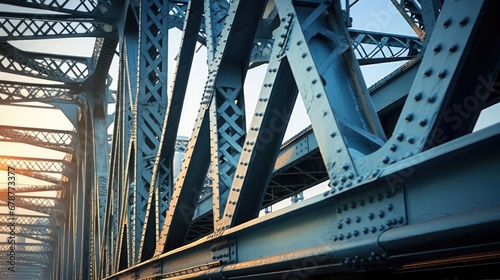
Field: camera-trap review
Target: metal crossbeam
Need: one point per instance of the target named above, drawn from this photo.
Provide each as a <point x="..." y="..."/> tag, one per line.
<point x="44" y="66"/>
<point x="28" y="247"/>
<point x="83" y="7"/>
<point x="60" y="140"/>
<point x="40" y="188"/>
<point x="36" y="164"/>
<point x="25" y="92"/>
<point x="19" y="26"/>
<point x="29" y="220"/>
<point x="46" y="205"/>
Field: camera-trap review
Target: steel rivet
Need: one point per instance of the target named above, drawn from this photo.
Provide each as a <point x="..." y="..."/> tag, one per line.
<point x="358" y="219"/>
<point x="371" y="216"/>
<point x="411" y="140"/>
<point x="447" y="23"/>
<point x="400" y="137"/>
<point x="432" y="98"/>
<point x="381" y="214"/>
<point x="418" y="96"/>
<point x="464" y="21"/>
<point x="385" y="160"/>
<point x="428" y="72"/>
<point x="409" y="117"/>
<point x="422" y="122"/>
<point x="437" y="48"/>
<point x="393" y="147"/>
<point x="390" y="207"/>
<point x="442" y="74"/>
<point x="309" y="68"/>
<point x="453" y="48"/>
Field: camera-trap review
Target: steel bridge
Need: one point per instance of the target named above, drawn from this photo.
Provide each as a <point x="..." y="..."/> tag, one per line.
<point x="411" y="189"/>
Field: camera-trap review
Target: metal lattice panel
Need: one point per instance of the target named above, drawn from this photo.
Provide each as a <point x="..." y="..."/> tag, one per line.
<point x="43" y="66"/>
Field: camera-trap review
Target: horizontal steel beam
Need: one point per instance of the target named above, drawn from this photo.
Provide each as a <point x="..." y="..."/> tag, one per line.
<point x="36" y="164"/>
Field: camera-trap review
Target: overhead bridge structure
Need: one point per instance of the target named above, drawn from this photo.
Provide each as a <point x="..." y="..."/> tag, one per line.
<point x="409" y="189"/>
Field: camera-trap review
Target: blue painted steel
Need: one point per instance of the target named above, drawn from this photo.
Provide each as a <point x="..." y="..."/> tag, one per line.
<point x="411" y="183"/>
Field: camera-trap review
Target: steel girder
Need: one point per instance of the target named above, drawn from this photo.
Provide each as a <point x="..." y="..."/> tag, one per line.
<point x="43" y="66"/>
<point x="386" y="205"/>
<point x="18" y="26"/>
<point x="36" y="164"/>
<point x="50" y="138"/>
<point x="47" y="205"/>
<point x="149" y="104"/>
<point x="24" y="92"/>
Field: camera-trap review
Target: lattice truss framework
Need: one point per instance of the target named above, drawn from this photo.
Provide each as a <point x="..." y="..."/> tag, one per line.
<point x="362" y="141"/>
<point x="358" y="136"/>
<point x="78" y="86"/>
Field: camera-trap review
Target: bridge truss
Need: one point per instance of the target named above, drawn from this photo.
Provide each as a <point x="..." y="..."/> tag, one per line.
<point x="412" y="187"/>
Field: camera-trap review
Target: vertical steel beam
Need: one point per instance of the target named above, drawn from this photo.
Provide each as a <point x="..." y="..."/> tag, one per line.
<point x="163" y="173"/>
<point x="151" y="107"/>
